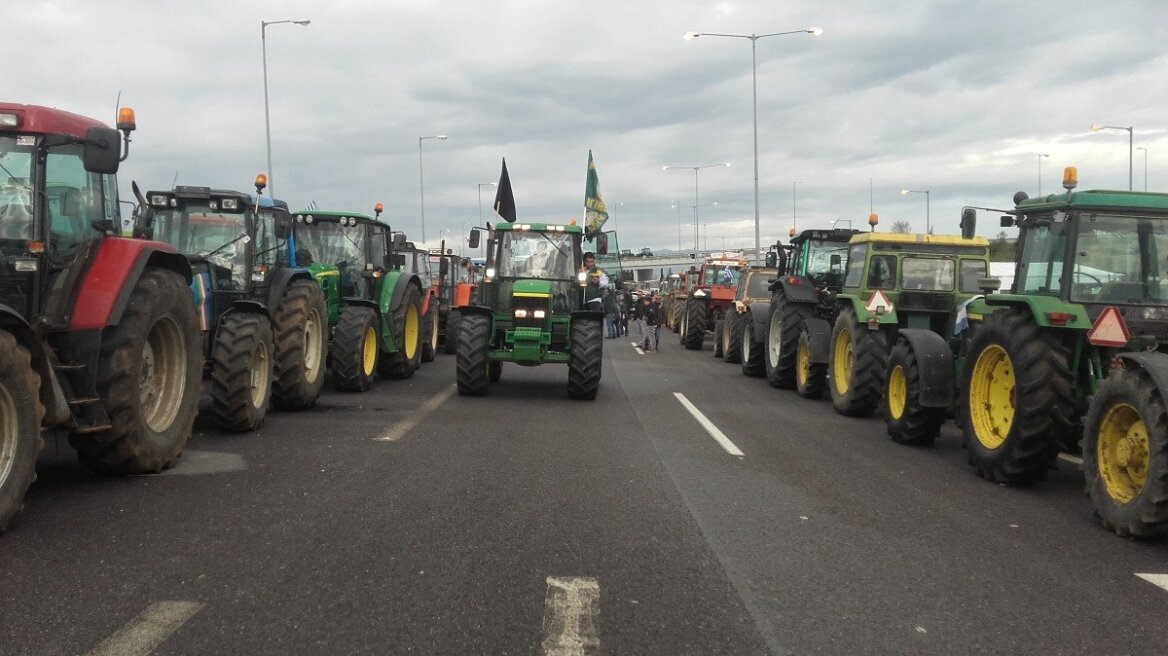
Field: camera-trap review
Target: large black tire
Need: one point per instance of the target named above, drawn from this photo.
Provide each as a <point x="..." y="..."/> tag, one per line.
<point x="734" y="339"/>
<point x="695" y="325"/>
<point x="1033" y="404"/>
<point x="453" y="321"/>
<point x="20" y="426"/>
<point x="407" y="337"/>
<point x="474" y="340"/>
<point x="719" y="338"/>
<point x="753" y="360"/>
<point x="810" y="377"/>
<point x="148" y="376"/>
<point x="355" y="349"/>
<point x="782" y="339"/>
<point x="675" y="316"/>
<point x="859" y="358"/>
<point x="300" y="338"/>
<point x="430" y="332"/>
<point x="1125" y="454"/>
<point x="495" y="371"/>
<point x="587" y="351"/>
<point x="908" y="421"/>
<point x="241" y="371"/>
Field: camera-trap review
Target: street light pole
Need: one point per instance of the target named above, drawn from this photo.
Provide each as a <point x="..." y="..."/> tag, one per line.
<point x="422" y="181"/>
<point x="1130" y="146"/>
<point x="870" y="210"/>
<point x="794" y="192"/>
<point x="1145" y="166"/>
<point x="905" y="192"/>
<point x="697" y="203"/>
<point x="1040" y="156"/>
<point x="677" y="204"/>
<point x="267" y="114"/>
<point x="816" y="31"/>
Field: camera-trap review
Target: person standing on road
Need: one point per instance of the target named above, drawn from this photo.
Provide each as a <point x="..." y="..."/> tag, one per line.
<point x="635" y="315"/>
<point x="611" y="312"/>
<point x="651" y="315"/>
<point x="596" y="282"/>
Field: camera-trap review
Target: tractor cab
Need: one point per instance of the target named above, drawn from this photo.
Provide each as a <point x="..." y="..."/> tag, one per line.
<point x="820" y="256"/>
<point x="529" y="261"/>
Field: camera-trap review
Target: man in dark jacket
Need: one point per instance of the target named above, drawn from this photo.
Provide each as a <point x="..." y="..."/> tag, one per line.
<point x="651" y="314"/>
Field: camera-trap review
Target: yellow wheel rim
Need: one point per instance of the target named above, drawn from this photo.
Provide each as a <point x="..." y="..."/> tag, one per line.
<point x="803" y="358"/>
<point x="1123" y="452"/>
<point x="992" y="396"/>
<point x="411" y="332"/>
<point x="841" y="361"/>
<point x="897" y="392"/>
<point x="369" y="351"/>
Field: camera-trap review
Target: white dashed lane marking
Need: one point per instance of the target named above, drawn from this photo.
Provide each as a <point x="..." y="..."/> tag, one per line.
<point x="713" y="430"/>
<point x="637" y="348"/>
<point x="571" y="617"/>
<point x="1160" y="580"/>
<point x="401" y="428"/>
<point x="148" y="630"/>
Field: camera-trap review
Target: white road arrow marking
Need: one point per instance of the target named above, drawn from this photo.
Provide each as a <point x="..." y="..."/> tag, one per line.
<point x="571" y="617"/>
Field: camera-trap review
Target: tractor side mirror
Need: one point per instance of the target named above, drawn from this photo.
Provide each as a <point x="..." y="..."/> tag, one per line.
<point x="837" y="263"/>
<point x="399" y="240"/>
<point x="968" y="222"/>
<point x="103" y="150"/>
<point x="472" y="241"/>
<point x="772" y="259"/>
<point x="399" y="260"/>
<point x="602" y="244"/>
<point x="989" y="285"/>
<point x="283" y="226"/>
<point x="1007" y="222"/>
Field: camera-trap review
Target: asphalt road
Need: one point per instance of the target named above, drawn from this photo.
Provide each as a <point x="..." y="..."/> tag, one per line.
<point x="411" y="520"/>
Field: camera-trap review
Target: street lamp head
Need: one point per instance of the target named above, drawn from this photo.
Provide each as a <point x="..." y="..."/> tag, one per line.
<point x="815" y="31"/>
<point x="904" y="192"/>
<point x="690" y="36"/>
<point x="442" y="137"/>
<point x="302" y="22"/>
<point x="1095" y="127"/>
<point x="1044" y="154"/>
<point x="665" y="168"/>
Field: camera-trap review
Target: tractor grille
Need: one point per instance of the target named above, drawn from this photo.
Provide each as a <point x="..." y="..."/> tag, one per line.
<point x="530" y="306"/>
<point x="926" y="301"/>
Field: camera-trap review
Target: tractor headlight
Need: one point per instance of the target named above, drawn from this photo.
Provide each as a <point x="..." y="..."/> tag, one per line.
<point x="9" y="120"/>
<point x="308" y="219"/>
<point x="539" y="314"/>
<point x="230" y="203"/>
<point x="491" y="272"/>
<point x="520" y="313"/>
<point x="582" y="276"/>
<point x="158" y="200"/>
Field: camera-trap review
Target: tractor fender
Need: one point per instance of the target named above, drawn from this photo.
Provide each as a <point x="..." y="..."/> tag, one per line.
<point x="760" y="313"/>
<point x="51" y="394"/>
<point x="244" y="305"/>
<point x="798" y="289"/>
<point x="398" y="286"/>
<point x="1156" y="364"/>
<point x="115" y="266"/>
<point x="363" y="302"/>
<point x="818" y="339"/>
<point x="476" y="310"/>
<point x="935" y="364"/>
<point x="278" y="282"/>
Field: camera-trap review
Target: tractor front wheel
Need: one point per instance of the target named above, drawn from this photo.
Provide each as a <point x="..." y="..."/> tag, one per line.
<point x="694" y="332"/>
<point x="474" y="341"/>
<point x="753" y="357"/>
<point x="733" y="337"/>
<point x="720" y="338"/>
<point x="1125" y="454"/>
<point x="1016" y="379"/>
<point x="782" y="339"/>
<point x="907" y="420"/>
<point x="355" y="349"/>
<point x="587" y="350"/>
<point x="407" y="337"/>
<point x="20" y="426"/>
<point x="810" y="377"/>
<point x="241" y="371"/>
<point x="148" y="377"/>
<point x="430" y="333"/>
<point x="675" y="316"/>
<point x="858" y="359"/>
<point x="453" y="320"/>
<point x="300" y="337"/>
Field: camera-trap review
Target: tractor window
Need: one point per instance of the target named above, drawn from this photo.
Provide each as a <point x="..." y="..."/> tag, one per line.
<point x="759" y="286"/>
<point x="855" y="269"/>
<point x="379" y="248"/>
<point x="927" y="273"/>
<point x="16" y="208"/>
<point x="721" y="275"/>
<point x="546" y="255"/>
<point x="1043" y="248"/>
<point x="267" y="248"/>
<point x="220" y="237"/>
<point x="882" y="272"/>
<point x="74" y="198"/>
<point x="971" y="272"/>
<point x="818" y="260"/>
<point x="329" y="242"/>
<point x="1120" y="260"/>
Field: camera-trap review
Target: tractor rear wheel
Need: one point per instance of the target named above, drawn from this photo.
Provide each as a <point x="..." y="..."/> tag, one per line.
<point x="858" y="359"/>
<point x="1016" y="379"/>
<point x="300" y="334"/>
<point x="782" y="339"/>
<point x="810" y="377"/>
<point x="676" y="316"/>
<point x="474" y="340"/>
<point x="1125" y="454"/>
<point x="148" y="378"/>
<point x="453" y="320"/>
<point x="407" y="337"/>
<point x="495" y="371"/>
<point x="430" y="333"/>
<point x="753" y="357"/>
<point x="241" y="371"/>
<point x="20" y="426"/>
<point x="587" y="350"/>
<point x="355" y="349"/>
<point x="733" y="338"/>
<point x="907" y="420"/>
<point x="695" y="325"/>
<point x="720" y="338"/>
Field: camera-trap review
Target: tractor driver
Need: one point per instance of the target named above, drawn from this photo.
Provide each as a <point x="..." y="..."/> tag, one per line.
<point x="596" y="282"/>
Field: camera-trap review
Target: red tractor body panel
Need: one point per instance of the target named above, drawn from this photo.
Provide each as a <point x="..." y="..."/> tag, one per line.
<point x="109" y="279"/>
<point x="37" y="119"/>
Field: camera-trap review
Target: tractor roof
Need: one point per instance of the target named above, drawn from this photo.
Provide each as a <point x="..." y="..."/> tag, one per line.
<point x="835" y="234"/>
<point x="36" y="119"/>
<point x="188" y="192"/>
<point x="1099" y="199"/>
<point x="917" y="238"/>
<point x="539" y="227"/>
<point x="329" y="215"/>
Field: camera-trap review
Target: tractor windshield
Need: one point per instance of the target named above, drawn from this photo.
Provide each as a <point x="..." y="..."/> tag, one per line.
<point x="926" y="273"/>
<point x="16" y="220"/>
<point x="824" y="261"/>
<point x="759" y="285"/>
<point x="546" y="255"/>
<point x="198" y="230"/>
<point x="1120" y="260"/>
<point x="717" y="274"/>
<point x="329" y="242"/>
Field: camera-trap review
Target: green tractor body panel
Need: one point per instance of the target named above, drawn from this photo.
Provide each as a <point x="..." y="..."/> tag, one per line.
<point x="329" y="279"/>
<point x="1040" y="307"/>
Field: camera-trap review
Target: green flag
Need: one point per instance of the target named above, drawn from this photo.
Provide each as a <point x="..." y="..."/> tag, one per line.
<point x="595" y="213"/>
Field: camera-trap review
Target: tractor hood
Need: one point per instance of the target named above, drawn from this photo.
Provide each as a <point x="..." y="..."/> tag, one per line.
<point x="532" y="288"/>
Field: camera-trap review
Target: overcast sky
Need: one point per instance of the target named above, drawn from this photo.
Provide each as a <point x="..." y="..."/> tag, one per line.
<point x="955" y="97"/>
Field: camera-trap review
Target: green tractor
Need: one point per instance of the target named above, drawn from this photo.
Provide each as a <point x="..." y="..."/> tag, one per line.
<point x="531" y="310"/>
<point x="1082" y="336"/>
<point x="902" y="289"/>
<point x="374" y="301"/>
<point x="803" y="309"/>
<point x="263" y="318"/>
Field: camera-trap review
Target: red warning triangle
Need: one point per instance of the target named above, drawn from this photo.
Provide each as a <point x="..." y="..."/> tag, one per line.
<point x="879" y="299"/>
<point x="1109" y="329"/>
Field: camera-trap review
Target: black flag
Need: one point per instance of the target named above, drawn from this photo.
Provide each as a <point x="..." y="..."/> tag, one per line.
<point x="504" y="199"/>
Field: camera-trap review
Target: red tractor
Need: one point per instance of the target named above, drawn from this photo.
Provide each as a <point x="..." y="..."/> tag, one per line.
<point x="710" y="296"/>
<point x="98" y="335"/>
